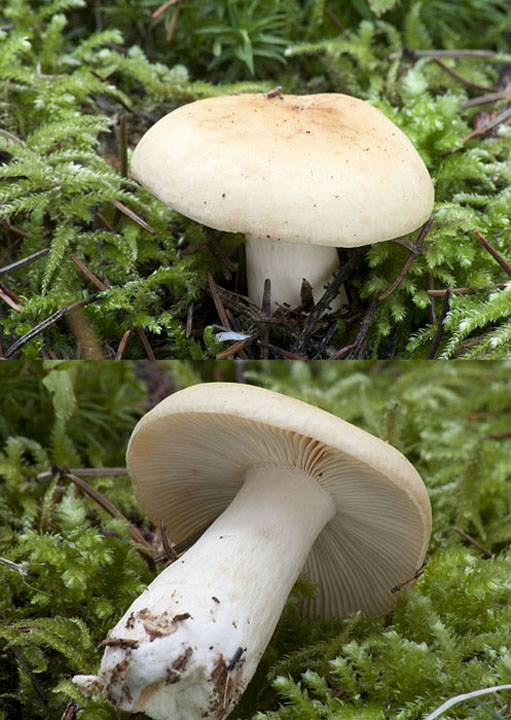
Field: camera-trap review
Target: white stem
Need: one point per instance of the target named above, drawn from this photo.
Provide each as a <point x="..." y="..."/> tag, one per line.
<point x="188" y="646"/>
<point x="285" y="264"/>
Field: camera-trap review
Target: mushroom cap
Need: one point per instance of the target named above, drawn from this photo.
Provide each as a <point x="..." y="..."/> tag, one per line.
<point x="187" y="458"/>
<point x="323" y="169"/>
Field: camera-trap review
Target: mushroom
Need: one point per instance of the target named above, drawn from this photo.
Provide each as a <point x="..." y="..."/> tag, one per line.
<point x="281" y="486"/>
<point x="298" y="175"/>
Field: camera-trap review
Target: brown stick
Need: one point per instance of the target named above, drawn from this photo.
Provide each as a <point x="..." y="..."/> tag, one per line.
<point x="342" y="352"/>
<point x="163" y="8"/>
<point x="70" y="711"/>
<point x="95" y="280"/>
<point x="489" y="98"/>
<point x="498" y="257"/>
<point x="24" y="261"/>
<point x="470" y="539"/>
<point x="431" y="308"/>
<point x="234" y="348"/>
<point x="331" y="292"/>
<point x="460" y="78"/>
<point x="105" y="222"/>
<point x="145" y="342"/>
<point x="502" y="117"/>
<point x="172" y="26"/>
<point x="338" y="24"/>
<point x="440" y="329"/>
<point x="357" y="353"/>
<point x="122" y="345"/>
<point x="218" y="302"/>
<point x="12" y="137"/>
<point x="132" y="215"/>
<point x="416" y="575"/>
<point x="13" y="228"/>
<point x="5" y="296"/>
<point x="222" y="313"/>
<point x="408" y="263"/>
<point x="467" y="290"/>
<point x="499" y="435"/>
<point x="26" y="667"/>
<point x="415" y="54"/>
<point x="284" y="353"/>
<point x="168" y="548"/>
<point x="110" y="508"/>
<point x="86" y="472"/>
<point x="31" y="334"/>
<point x="226" y="264"/>
<point x="322" y="344"/>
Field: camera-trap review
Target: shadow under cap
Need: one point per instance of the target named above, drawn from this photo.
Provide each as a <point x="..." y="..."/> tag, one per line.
<point x="188" y="456"/>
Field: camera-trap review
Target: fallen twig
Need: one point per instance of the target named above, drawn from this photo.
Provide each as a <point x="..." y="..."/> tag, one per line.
<point x="172" y="25"/>
<point x="220" y="308"/>
<point x="338" y="24"/>
<point x="226" y="264"/>
<point x="6" y="297"/>
<point x="46" y="324"/>
<point x="342" y="352"/>
<point x="359" y="346"/>
<point x="467" y="290"/>
<point x="163" y="8"/>
<point x="69" y="711"/>
<point x="284" y="353"/>
<point x="86" y="472"/>
<point x="489" y="98"/>
<point x="168" y="547"/>
<point x="416" y="54"/>
<point x="105" y="222"/>
<point x="122" y="345"/>
<point x="440" y="329"/>
<point x="409" y="260"/>
<point x="431" y="307"/>
<point x="145" y="342"/>
<point x="93" y="278"/>
<point x="235" y="347"/>
<point x="324" y="341"/>
<point x="26" y="667"/>
<point x="470" y="539"/>
<point x="460" y="78"/>
<point x="13" y="228"/>
<point x="219" y="305"/>
<point x="331" y="292"/>
<point x="502" y="117"/>
<point x="415" y="576"/>
<point x="494" y="253"/>
<point x="24" y="261"/>
<point x="12" y="137"/>
<point x="132" y="215"/>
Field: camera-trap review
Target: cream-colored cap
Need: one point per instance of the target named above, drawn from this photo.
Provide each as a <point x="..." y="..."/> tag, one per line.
<point x="314" y="169"/>
<point x="188" y="456"/>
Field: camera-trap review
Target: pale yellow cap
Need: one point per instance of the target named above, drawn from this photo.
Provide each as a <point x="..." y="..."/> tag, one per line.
<point x="323" y="169"/>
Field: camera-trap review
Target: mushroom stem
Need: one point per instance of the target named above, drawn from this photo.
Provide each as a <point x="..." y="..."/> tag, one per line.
<point x="286" y="264"/>
<point x="188" y="646"/>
